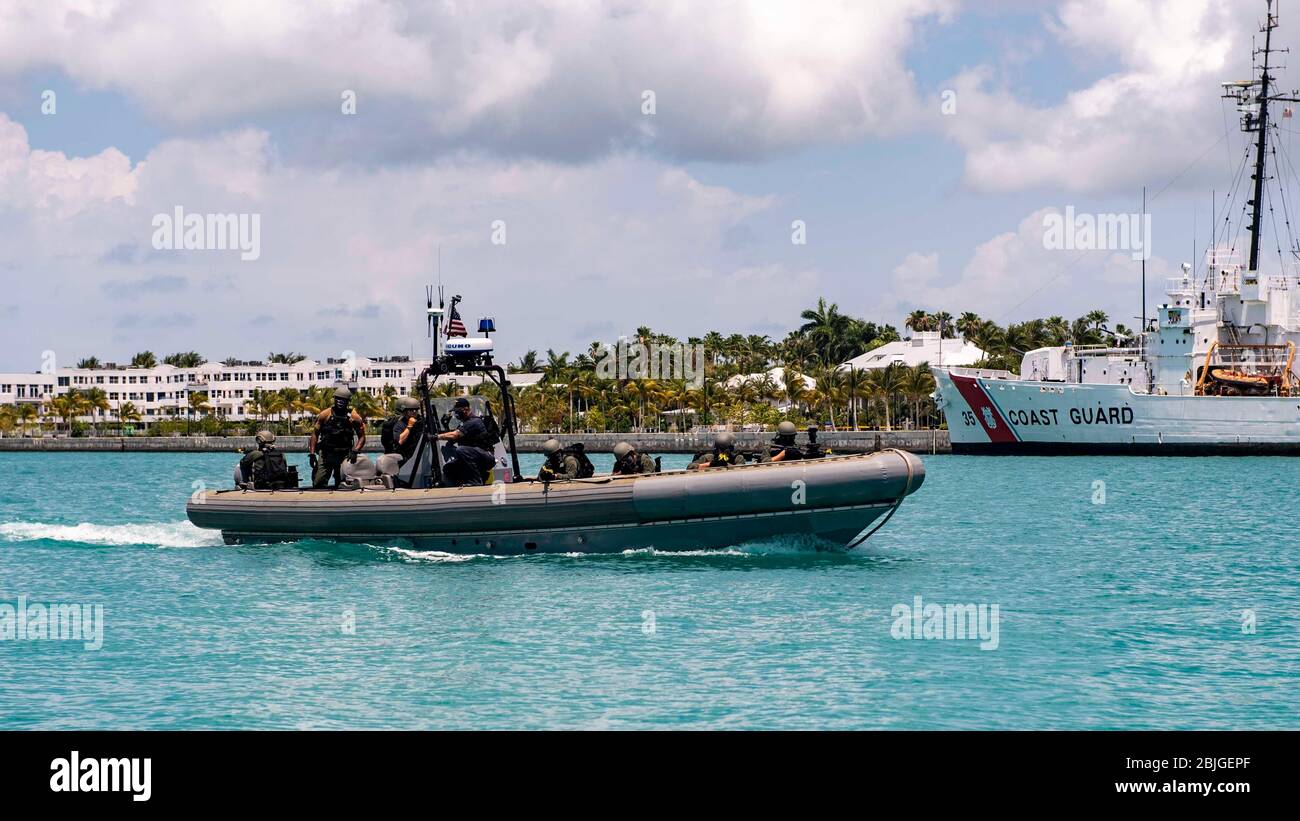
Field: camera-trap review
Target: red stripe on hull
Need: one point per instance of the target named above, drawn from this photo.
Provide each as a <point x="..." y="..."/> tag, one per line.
<point x="995" y="427"/>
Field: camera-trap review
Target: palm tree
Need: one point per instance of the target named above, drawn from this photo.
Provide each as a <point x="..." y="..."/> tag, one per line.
<point x="827" y="328"/>
<point x="527" y="364"/>
<point x="8" y="420"/>
<point x="885" y="384"/>
<point x="65" y="407"/>
<point x="127" y="412"/>
<point x="829" y="390"/>
<point x="917" y="321"/>
<point x="855" y="385"/>
<point x="198" y="402"/>
<point x="967" y="324"/>
<point x="90" y="362"/>
<point x="26" y="414"/>
<point x="943" y="321"/>
<point x="366" y="404"/>
<point x="285" y="358"/>
<point x="796" y="390"/>
<point x="917" y="383"/>
<point x="188" y="359"/>
<point x="95" y="402"/>
<point x="144" y="359"/>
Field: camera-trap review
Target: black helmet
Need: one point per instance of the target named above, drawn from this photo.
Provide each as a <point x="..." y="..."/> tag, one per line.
<point x="551" y="447"/>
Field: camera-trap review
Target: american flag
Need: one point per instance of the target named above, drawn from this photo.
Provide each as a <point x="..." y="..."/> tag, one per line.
<point x="454" y="326"/>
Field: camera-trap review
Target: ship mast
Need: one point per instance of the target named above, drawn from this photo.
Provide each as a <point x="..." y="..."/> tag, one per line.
<point x="1262" y="143"/>
<point x="1254" y="106"/>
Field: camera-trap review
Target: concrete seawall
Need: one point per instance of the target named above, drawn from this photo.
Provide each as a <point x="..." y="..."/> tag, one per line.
<point x="916" y="441"/>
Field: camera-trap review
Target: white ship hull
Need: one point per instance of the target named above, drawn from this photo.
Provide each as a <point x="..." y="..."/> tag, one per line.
<point x="1012" y="416"/>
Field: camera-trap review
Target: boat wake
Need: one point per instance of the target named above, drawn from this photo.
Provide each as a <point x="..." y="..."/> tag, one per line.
<point x="776" y="546"/>
<point x="158" y="534"/>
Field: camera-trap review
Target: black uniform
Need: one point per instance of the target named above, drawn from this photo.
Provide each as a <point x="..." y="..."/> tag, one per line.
<point x="790" y="449"/>
<point x="470" y="457"/>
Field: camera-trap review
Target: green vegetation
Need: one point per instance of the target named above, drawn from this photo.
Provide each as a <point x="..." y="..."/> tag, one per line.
<point x="738" y="387"/>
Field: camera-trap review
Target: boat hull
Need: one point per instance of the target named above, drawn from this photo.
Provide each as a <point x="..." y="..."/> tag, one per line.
<point x="832" y="499"/>
<point x="1008" y="417"/>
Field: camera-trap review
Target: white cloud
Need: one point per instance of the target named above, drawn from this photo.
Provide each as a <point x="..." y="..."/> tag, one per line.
<point x="560" y="78"/>
<point x="626" y="240"/>
<point x="50" y="180"/>
<point x="1155" y="113"/>
<point x="1012" y="276"/>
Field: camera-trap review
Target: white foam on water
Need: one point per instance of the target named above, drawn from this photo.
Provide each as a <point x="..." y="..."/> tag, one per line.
<point x="438" y="556"/>
<point x="717" y="551"/>
<point x="157" y="534"/>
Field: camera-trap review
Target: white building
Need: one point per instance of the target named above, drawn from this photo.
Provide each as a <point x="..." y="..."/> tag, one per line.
<point x="777" y="375"/>
<point x="923" y="347"/>
<point x="164" y="391"/>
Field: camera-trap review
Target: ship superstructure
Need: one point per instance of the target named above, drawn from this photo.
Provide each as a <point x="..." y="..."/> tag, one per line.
<point x="1213" y="372"/>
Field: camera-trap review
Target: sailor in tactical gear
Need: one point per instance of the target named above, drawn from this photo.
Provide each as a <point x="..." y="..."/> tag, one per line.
<point x="400" y="433"/>
<point x="813" y="450"/>
<point x="264" y="466"/>
<point x="628" y="461"/>
<point x="723" y="454"/>
<point x="783" y="447"/>
<point x="340" y="434"/>
<point x="471" y="457"/>
<point x="558" y="465"/>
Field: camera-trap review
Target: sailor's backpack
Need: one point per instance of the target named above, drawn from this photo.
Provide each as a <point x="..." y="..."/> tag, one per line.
<point x="493" y="435"/>
<point x="388" y="434"/>
<point x="272" y="472"/>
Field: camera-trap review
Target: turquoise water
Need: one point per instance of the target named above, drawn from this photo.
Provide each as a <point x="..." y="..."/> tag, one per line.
<point x="1124" y="614"/>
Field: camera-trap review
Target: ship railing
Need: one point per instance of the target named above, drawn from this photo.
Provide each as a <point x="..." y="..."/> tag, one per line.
<point x="983" y="373"/>
<point x="1105" y="350"/>
<point x="1222" y="256"/>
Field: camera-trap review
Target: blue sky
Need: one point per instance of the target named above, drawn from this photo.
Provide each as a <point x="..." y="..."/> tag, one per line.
<point x="766" y="113"/>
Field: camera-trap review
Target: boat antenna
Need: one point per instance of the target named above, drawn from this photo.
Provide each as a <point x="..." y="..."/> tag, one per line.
<point x="1144" y="261"/>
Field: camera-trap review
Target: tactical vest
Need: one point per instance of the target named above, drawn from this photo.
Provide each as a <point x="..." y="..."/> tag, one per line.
<point x="585" y="468"/>
<point x="724" y="458"/>
<point x="271" y="472"/>
<point x="390" y="431"/>
<point x="336" y="432"/>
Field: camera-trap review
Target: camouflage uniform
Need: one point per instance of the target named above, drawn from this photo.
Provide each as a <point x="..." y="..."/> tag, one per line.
<point x="644" y="463"/>
<point x="566" y="467"/>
